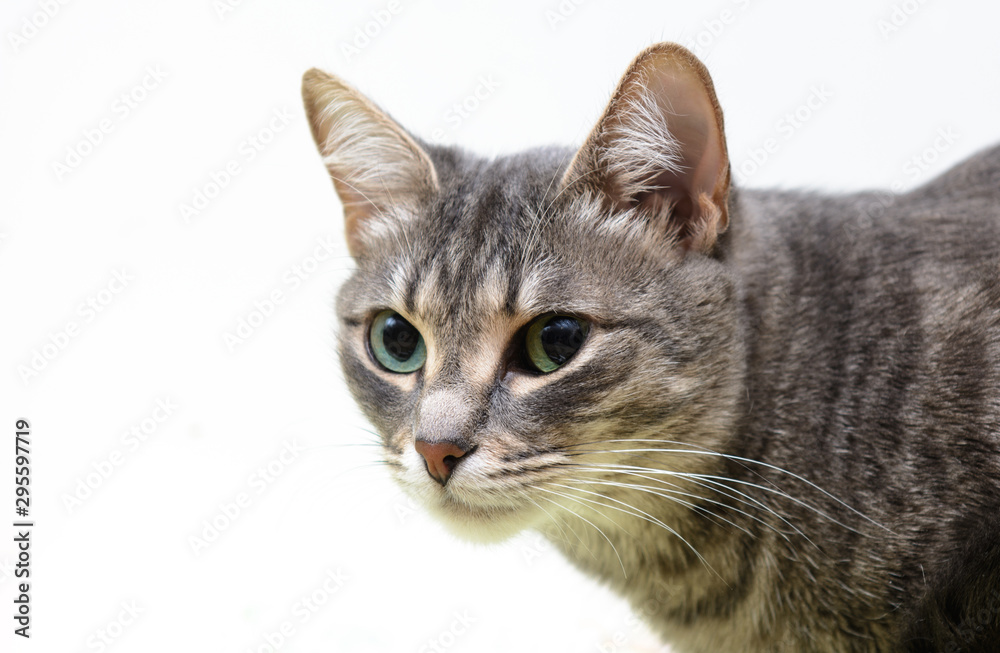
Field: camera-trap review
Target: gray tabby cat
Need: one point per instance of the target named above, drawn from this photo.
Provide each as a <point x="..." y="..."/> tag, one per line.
<point x="770" y="424"/>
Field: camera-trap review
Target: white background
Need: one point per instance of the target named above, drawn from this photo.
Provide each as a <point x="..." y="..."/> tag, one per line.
<point x="65" y="233"/>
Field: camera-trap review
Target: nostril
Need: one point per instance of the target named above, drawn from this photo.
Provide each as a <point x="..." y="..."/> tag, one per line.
<point x="440" y="457"/>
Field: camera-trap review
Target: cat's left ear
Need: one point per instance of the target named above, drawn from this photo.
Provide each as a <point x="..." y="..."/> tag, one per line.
<point x="376" y="166"/>
<point x="660" y="148"/>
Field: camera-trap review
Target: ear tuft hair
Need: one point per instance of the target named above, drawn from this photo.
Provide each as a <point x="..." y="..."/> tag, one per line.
<point x="660" y="147"/>
<point x="375" y="165"/>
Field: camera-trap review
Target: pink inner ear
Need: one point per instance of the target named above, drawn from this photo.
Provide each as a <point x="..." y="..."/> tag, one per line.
<point x="374" y="163"/>
<point x="693" y="123"/>
<point x="669" y="92"/>
<point x="687" y="193"/>
<point x="660" y="146"/>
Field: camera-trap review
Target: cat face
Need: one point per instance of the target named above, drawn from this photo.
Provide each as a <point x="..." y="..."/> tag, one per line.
<point x="519" y="330"/>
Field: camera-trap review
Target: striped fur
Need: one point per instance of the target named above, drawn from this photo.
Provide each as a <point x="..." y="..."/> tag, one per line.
<point x="784" y="436"/>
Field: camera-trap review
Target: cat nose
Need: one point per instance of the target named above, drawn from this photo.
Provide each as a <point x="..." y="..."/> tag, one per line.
<point x="441" y="457"/>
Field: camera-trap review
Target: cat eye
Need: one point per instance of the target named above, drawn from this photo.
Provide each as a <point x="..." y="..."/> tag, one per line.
<point x="396" y="343"/>
<point x="553" y="339"/>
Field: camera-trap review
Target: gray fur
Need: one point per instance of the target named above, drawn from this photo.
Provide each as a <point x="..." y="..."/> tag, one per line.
<point x="812" y="406"/>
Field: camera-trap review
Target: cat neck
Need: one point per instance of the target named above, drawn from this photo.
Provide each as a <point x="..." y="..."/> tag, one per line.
<point x="670" y="548"/>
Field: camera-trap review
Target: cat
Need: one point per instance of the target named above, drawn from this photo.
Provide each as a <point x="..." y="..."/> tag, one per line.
<point x="768" y="420"/>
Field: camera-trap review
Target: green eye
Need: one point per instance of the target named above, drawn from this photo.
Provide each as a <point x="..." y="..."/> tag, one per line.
<point x="396" y="343"/>
<point x="552" y="340"/>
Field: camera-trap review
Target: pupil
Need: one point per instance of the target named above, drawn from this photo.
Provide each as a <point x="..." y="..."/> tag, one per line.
<point x="561" y="338"/>
<point x="400" y="338"/>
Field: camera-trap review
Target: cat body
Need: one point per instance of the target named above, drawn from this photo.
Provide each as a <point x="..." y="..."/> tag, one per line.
<point x="872" y="370"/>
<point x="768" y="419"/>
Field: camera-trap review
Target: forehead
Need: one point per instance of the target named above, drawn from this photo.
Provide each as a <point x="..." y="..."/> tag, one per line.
<point x="487" y="252"/>
<point x="499" y="241"/>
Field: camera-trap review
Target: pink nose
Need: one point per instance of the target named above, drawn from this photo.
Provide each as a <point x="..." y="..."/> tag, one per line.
<point x="441" y="458"/>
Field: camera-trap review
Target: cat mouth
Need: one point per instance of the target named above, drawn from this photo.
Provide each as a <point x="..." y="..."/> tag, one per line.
<point x="460" y="499"/>
<point x="468" y="504"/>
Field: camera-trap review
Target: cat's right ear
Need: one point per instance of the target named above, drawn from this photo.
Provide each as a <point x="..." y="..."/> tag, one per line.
<point x="660" y="149"/>
<point x="376" y="167"/>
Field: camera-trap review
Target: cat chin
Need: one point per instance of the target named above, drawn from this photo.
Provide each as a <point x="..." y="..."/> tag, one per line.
<point x="482" y="525"/>
<point x="482" y="533"/>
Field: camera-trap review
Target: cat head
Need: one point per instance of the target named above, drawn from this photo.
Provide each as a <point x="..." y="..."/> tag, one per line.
<point x="523" y="325"/>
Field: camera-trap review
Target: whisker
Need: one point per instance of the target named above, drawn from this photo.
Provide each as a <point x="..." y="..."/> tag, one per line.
<point x="339" y="445"/>
<point x="709" y="485"/>
<point x="570" y="525"/>
<point x="688" y="494"/>
<point x="613" y="548"/>
<point x="733" y="480"/>
<point x="816" y="510"/>
<point x="642" y="513"/>
<point x="718" y="481"/>
<point x="749" y="501"/>
<point x="558" y="521"/>
<point x="704" y="512"/>
<point x="709" y="452"/>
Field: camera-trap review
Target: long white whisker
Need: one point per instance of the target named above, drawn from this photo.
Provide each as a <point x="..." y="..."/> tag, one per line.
<point x="777" y="492"/>
<point x="690" y="475"/>
<point x="708" y="452"/>
<point x="727" y="506"/>
<point x="524" y="493"/>
<point x="709" y="485"/>
<point x="717" y="486"/>
<point x="625" y="573"/>
<point x="708" y="514"/>
<point x="641" y="513"/>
